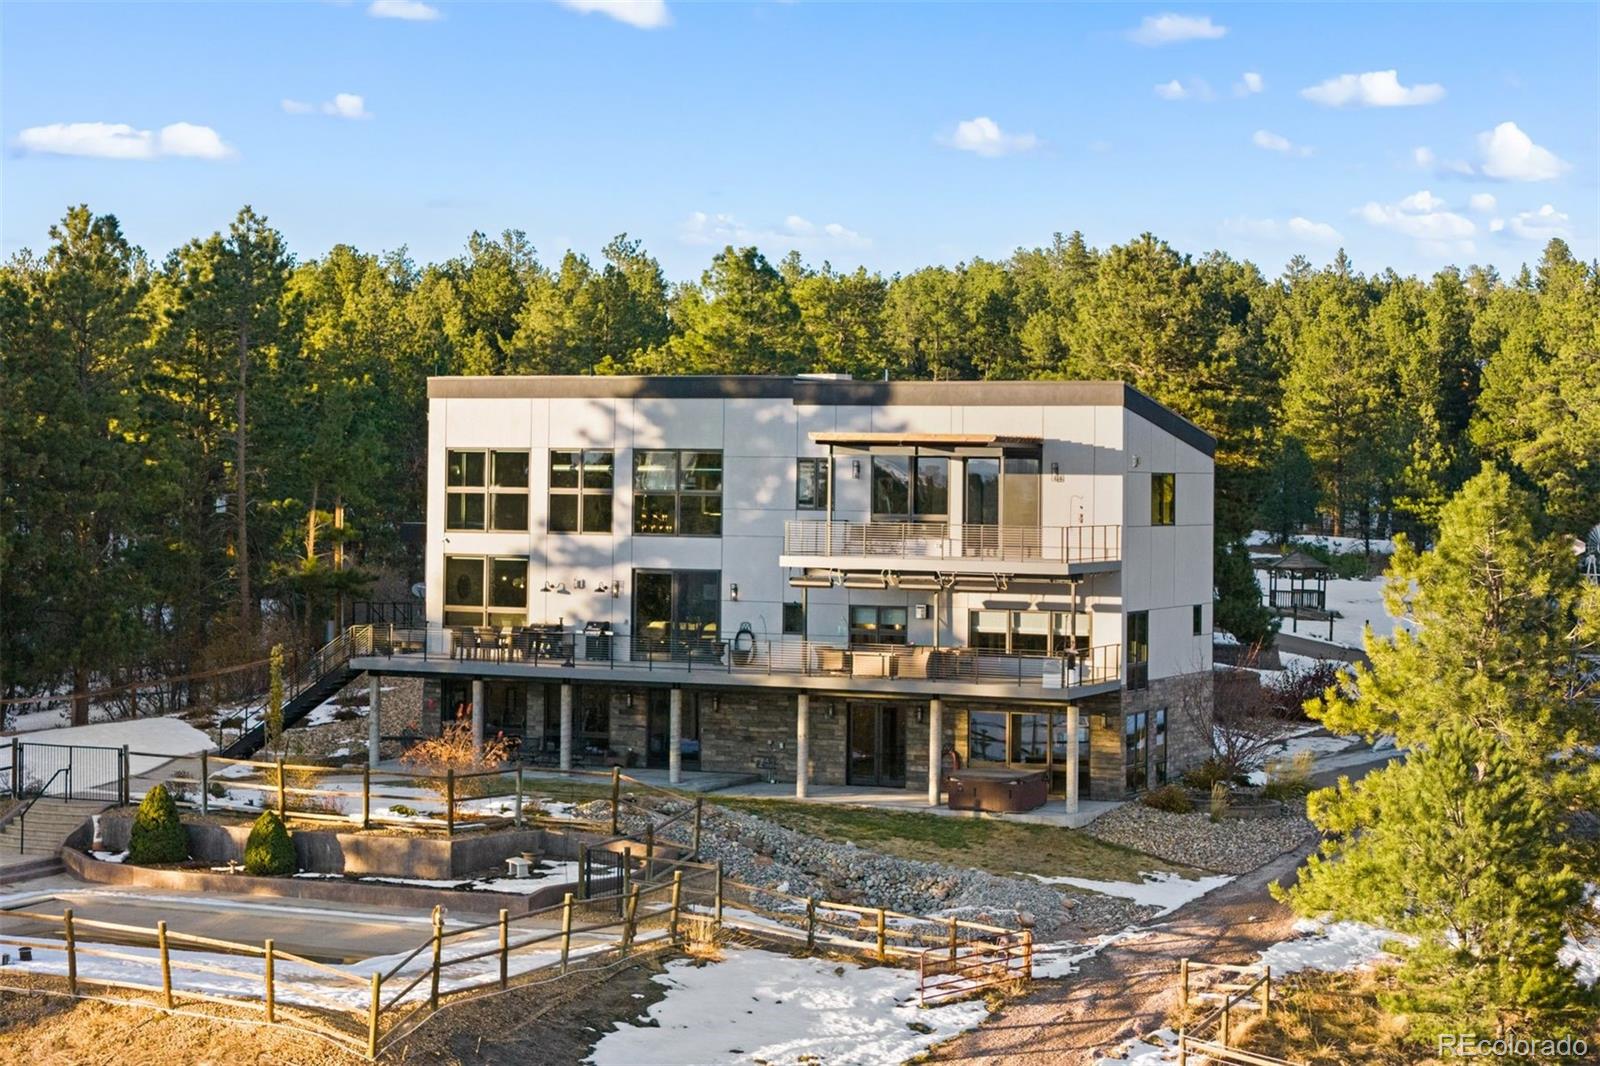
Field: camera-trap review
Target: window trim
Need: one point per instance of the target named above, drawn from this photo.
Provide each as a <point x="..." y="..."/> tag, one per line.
<point x="488" y="609"/>
<point x="820" y="478"/>
<point x="488" y="490"/>
<point x="1136" y="653"/>
<point x="582" y="491"/>
<point x="911" y="514"/>
<point x="679" y="493"/>
<point x="1164" y="501"/>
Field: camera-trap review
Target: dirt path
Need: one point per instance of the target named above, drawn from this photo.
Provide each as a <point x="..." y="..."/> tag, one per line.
<point x="1128" y="988"/>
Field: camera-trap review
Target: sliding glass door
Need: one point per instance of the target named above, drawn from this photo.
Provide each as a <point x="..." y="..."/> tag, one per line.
<point x="675" y="612"/>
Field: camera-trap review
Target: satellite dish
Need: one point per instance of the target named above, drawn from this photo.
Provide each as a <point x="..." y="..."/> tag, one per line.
<point x="1589" y="561"/>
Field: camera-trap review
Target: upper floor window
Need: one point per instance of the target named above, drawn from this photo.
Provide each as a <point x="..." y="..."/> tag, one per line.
<point x="810" y="484"/>
<point x="486" y="490"/>
<point x="1199" y="619"/>
<point x="677" y="493"/>
<point x="794" y="619"/>
<point x="910" y="487"/>
<point x="877" y="625"/>
<point x="1163" y="499"/>
<point x="1028" y="632"/>
<point x="480" y="591"/>
<point x="581" y="484"/>
<point x="1138" y="649"/>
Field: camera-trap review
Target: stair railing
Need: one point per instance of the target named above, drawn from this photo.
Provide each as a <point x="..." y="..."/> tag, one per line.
<point x="22" y="815"/>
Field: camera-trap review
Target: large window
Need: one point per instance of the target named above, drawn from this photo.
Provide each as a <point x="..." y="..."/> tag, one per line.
<point x="877" y="625"/>
<point x="810" y="484"/>
<point x="794" y="619"/>
<point x="677" y="493"/>
<point x="910" y="487"/>
<point x="1028" y="632"/>
<point x="1158" y="743"/>
<point x="486" y="490"/>
<point x="581" y="484"/>
<point x="986" y="737"/>
<point x="1135" y="749"/>
<point x="1138" y="673"/>
<point x="1163" y="499"/>
<point x="479" y="591"/>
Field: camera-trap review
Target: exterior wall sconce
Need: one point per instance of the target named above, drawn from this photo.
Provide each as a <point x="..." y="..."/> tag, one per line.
<point x="921" y="715"/>
<point x="829" y="711"/>
<point x="855" y="468"/>
<point x="733" y="592"/>
<point x="1055" y="471"/>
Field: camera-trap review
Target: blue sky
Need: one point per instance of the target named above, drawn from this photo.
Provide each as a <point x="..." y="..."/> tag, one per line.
<point x="890" y="135"/>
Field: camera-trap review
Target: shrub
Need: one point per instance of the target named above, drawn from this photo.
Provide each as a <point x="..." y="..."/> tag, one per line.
<point x="1219" y="801"/>
<point x="453" y="749"/>
<point x="1288" y="779"/>
<point x="269" y="852"/>
<point x="158" y="835"/>
<point x="1207" y="774"/>
<point x="1288" y="693"/>
<point x="1169" y="798"/>
<point x="218" y="790"/>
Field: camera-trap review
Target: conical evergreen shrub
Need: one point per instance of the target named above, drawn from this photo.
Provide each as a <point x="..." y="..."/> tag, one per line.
<point x="158" y="835"/>
<point x="269" y="852"/>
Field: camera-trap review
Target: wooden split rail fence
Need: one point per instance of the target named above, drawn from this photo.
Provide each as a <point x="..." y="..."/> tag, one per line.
<point x="368" y="1011"/>
<point x="1233" y="989"/>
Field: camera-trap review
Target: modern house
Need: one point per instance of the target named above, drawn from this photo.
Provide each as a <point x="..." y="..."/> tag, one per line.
<point x="818" y="579"/>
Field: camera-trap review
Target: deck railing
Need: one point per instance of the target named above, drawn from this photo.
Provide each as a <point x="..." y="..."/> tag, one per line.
<point x="747" y="654"/>
<point x="954" y="541"/>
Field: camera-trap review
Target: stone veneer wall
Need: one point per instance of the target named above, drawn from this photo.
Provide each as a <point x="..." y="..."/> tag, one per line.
<point x="1188" y="701"/>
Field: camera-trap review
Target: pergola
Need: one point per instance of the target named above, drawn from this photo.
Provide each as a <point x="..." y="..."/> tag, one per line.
<point x="1304" y="588"/>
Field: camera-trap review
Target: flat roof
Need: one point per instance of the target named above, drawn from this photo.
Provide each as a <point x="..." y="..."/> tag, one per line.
<point x="959" y="440"/>
<point x="828" y="392"/>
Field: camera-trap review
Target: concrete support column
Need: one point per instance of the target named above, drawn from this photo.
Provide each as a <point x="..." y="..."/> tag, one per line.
<point x="675" y="736"/>
<point x="566" y="726"/>
<point x="477" y="717"/>
<point x="374" y="707"/>
<point x="935" y="748"/>
<point x="1072" y="759"/>
<point x="802" y="745"/>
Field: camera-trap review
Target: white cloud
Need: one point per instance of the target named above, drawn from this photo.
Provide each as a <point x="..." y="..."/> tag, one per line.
<point x="1249" y="84"/>
<point x="1194" y="89"/>
<point x="1540" y="225"/>
<point x="1298" y="229"/>
<point x="985" y="137"/>
<point x="346" y="105"/>
<point x="1482" y="201"/>
<point x="1156" y="30"/>
<point x="117" y="140"/>
<point x="409" y="10"/>
<point x="1424" y="217"/>
<point x="1274" y="142"/>
<point x="641" y="14"/>
<point x="1496" y="225"/>
<point x="1425" y="159"/>
<point x="1510" y="155"/>
<point x="797" y="232"/>
<point x="296" y="107"/>
<point x="1376" y="88"/>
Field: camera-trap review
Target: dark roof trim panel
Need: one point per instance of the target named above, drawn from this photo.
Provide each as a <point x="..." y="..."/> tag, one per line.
<point x="827" y="392"/>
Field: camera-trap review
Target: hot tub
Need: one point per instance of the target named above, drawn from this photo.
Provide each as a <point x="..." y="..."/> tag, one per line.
<point x="997" y="789"/>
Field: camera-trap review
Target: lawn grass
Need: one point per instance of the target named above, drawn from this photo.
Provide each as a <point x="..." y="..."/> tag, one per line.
<point x="997" y="845"/>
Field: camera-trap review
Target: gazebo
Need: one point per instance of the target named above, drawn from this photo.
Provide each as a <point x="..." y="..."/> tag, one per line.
<point x="1296" y="584"/>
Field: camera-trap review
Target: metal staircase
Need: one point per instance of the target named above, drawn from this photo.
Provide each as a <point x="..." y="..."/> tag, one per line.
<point x="307" y="687"/>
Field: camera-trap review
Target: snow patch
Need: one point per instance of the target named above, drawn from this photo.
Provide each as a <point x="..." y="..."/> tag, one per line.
<point x="762" y="1007"/>
<point x="1165" y="891"/>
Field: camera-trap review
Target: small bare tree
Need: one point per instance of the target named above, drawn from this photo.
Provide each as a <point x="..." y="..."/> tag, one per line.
<point x="1232" y="709"/>
<point x="455" y="748"/>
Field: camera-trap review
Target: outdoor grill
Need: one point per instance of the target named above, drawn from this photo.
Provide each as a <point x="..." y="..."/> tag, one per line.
<point x="997" y="789"/>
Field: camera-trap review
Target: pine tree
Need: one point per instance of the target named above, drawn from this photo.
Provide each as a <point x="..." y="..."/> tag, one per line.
<point x="1458" y="850"/>
<point x="157" y="835"/>
<point x="268" y="851"/>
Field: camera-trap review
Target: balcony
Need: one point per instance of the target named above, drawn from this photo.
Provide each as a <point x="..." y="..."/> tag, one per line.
<point x="956" y="548"/>
<point x="746" y="661"/>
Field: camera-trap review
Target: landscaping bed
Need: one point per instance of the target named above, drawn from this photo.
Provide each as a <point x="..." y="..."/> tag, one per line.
<point x="1232" y="845"/>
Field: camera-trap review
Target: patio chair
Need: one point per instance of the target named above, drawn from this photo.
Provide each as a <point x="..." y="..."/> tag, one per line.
<point x="833" y="661"/>
<point x="914" y="663"/>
